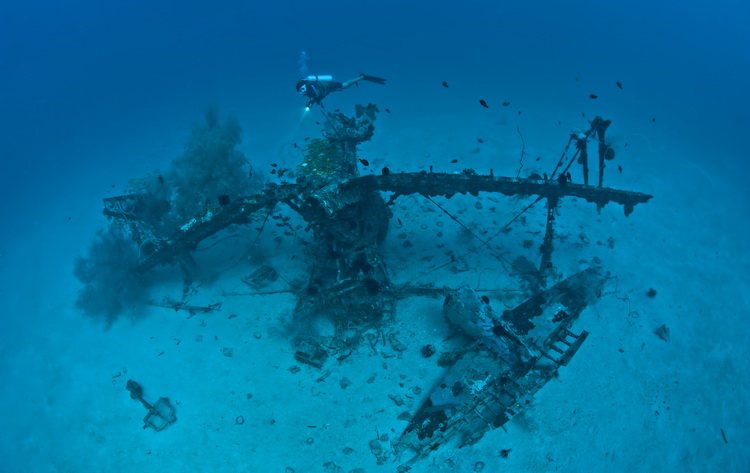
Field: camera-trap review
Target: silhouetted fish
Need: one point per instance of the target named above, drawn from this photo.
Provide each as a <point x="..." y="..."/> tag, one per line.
<point x="364" y="162"/>
<point x="505" y="104"/>
<point x="445" y="84"/>
<point x="483" y="103"/>
<point x="593" y="96"/>
<point x="619" y="84"/>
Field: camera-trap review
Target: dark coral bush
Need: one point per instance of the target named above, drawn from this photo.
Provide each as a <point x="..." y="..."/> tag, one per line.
<point x="210" y="173"/>
<point x="111" y="285"/>
<point x="210" y="167"/>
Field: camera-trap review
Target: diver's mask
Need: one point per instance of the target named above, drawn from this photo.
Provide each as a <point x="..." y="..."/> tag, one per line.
<point x="302" y="89"/>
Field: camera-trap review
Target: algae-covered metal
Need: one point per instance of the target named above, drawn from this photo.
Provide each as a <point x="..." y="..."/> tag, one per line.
<point x="513" y="355"/>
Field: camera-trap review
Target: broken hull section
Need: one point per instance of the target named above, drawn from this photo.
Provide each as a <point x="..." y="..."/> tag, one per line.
<point x="482" y="389"/>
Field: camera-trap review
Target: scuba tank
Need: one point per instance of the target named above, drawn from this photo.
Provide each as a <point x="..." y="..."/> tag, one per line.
<point x="317" y="78"/>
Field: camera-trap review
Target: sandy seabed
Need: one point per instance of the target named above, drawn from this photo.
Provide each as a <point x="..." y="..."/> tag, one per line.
<point x="628" y="401"/>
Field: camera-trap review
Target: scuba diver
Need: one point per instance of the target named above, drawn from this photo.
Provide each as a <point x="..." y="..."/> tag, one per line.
<point x="316" y="88"/>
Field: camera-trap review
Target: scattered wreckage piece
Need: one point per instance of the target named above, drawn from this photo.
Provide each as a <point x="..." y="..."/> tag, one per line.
<point x="160" y="415"/>
<point x="311" y="353"/>
<point x="169" y="303"/>
<point x="261" y="277"/>
<point x="510" y="359"/>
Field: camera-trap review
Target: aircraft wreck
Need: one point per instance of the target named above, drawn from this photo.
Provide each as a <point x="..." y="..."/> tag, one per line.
<point x="513" y="353"/>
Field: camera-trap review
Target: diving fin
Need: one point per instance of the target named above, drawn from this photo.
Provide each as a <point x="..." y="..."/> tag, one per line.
<point x="377" y="80"/>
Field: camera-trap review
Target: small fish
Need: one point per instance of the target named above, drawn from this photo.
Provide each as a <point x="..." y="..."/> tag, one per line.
<point x="387" y="110"/>
<point x="295" y="145"/>
<point x="483" y="103"/>
<point x="317" y="123"/>
<point x="619" y="84"/>
<point x="364" y="162"/>
<point x="161" y="179"/>
<point x="626" y="145"/>
<point x="559" y="123"/>
<point x="619" y="168"/>
<point x="386" y="172"/>
<point x="273" y="171"/>
<point x="445" y="84"/>
<point x="653" y="120"/>
<point x="480" y="140"/>
<point x="583" y="115"/>
<point x="273" y="165"/>
<point x="593" y="96"/>
<point x="454" y="161"/>
<point x="505" y="104"/>
<point x="539" y="158"/>
<point x="576" y="78"/>
<point x="519" y="112"/>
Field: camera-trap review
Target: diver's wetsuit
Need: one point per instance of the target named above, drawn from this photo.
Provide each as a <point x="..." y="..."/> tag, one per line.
<point x="317" y="90"/>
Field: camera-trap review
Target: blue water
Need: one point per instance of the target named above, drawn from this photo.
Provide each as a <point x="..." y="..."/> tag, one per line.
<point x="83" y="72"/>
<point x="95" y="93"/>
